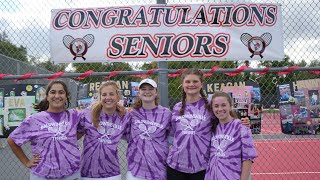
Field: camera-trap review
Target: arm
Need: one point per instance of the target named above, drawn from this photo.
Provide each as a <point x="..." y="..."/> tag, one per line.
<point x="245" y="121"/>
<point x="81" y="125"/>
<point x="127" y="127"/>
<point x="126" y="133"/>
<point x="172" y="130"/>
<point x="169" y="131"/>
<point x="17" y="150"/>
<point x="245" y="169"/>
<point x="248" y="152"/>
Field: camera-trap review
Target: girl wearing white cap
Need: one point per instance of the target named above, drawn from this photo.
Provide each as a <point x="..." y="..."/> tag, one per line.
<point x="147" y="140"/>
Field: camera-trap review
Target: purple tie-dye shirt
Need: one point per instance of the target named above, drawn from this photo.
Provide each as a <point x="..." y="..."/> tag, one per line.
<point x="231" y="144"/>
<point x="100" y="159"/>
<point x="54" y="137"/>
<point x="148" y="145"/>
<point x="191" y="137"/>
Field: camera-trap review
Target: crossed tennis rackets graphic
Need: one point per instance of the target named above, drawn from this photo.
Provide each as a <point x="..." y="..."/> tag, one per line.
<point x="58" y="130"/>
<point x="220" y="147"/>
<point x="78" y="46"/>
<point x="105" y="132"/>
<point x="146" y="130"/>
<point x="256" y="45"/>
<point x="189" y="125"/>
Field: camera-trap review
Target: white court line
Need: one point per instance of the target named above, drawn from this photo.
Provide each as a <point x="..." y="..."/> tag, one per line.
<point x="263" y="142"/>
<point x="288" y="140"/>
<point x="286" y="173"/>
<point x="280" y="141"/>
<point x="272" y="147"/>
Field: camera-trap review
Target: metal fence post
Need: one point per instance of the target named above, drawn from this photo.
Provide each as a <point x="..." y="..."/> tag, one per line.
<point x="163" y="76"/>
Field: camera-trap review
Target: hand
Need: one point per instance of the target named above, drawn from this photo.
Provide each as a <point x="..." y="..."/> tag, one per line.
<point x="34" y="161"/>
<point x="245" y="121"/>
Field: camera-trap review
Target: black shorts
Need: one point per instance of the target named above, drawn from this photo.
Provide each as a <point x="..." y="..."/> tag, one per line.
<point x="173" y="174"/>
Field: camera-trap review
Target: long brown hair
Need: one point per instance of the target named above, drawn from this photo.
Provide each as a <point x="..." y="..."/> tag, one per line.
<point x="199" y="73"/>
<point x="215" y="121"/>
<point x="138" y="102"/>
<point x="97" y="107"/>
<point x="43" y="105"/>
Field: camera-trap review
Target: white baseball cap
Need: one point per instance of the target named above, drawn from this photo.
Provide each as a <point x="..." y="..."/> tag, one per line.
<point x="148" y="81"/>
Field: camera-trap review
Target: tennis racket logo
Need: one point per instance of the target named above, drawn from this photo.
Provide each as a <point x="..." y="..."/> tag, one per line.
<point x="78" y="46"/>
<point x="220" y="146"/>
<point x="105" y="133"/>
<point x="189" y="125"/>
<point x="146" y="131"/>
<point x="59" y="131"/>
<point x="256" y="45"/>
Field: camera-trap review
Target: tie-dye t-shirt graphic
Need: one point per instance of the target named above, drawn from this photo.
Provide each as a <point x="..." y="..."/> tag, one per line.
<point x="148" y="145"/>
<point x="231" y="144"/>
<point x="54" y="137"/>
<point x="100" y="158"/>
<point x="192" y="133"/>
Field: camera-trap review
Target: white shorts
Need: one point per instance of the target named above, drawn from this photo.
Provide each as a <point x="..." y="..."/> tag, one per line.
<point x="108" y="178"/>
<point x="74" y="176"/>
<point x="131" y="177"/>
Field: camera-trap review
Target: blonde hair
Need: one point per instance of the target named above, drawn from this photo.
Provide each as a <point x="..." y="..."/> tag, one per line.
<point x="199" y="73"/>
<point x="97" y="107"/>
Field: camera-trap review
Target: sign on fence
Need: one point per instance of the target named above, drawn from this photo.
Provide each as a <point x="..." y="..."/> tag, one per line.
<point x="300" y="107"/>
<point x="88" y="93"/>
<point x="167" y="33"/>
<point x="246" y="97"/>
<point x="16" y="103"/>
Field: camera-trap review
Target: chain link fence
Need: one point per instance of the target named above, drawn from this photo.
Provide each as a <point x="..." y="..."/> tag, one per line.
<point x="24" y="48"/>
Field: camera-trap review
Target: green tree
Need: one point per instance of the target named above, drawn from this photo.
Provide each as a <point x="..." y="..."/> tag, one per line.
<point x="308" y="75"/>
<point x="9" y="49"/>
<point x="48" y="65"/>
<point x="269" y="81"/>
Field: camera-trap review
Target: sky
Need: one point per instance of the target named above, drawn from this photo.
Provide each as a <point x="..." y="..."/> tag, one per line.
<point x="27" y="22"/>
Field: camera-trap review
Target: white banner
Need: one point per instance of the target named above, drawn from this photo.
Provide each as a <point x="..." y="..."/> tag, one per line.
<point x="213" y="32"/>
